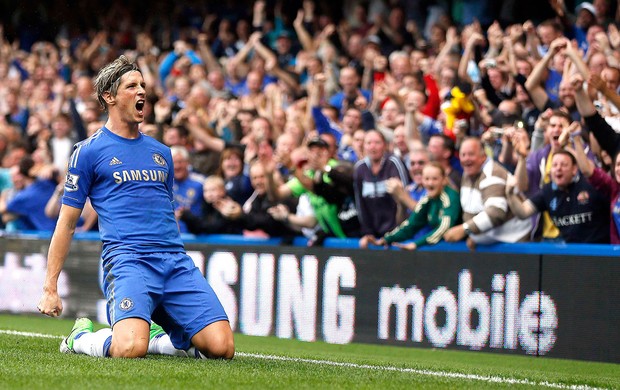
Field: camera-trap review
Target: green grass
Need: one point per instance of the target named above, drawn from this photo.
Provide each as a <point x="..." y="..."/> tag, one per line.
<point x="34" y="362"/>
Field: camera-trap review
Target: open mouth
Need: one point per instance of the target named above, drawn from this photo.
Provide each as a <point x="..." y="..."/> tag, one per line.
<point x="140" y="106"/>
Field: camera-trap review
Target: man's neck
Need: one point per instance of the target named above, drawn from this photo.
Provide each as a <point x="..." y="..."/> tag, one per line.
<point x="123" y="129"/>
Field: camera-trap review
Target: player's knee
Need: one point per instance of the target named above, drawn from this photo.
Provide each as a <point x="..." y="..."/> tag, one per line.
<point x="220" y="345"/>
<point x="129" y="348"/>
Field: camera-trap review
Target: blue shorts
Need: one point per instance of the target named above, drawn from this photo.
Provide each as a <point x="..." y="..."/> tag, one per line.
<point x="166" y="288"/>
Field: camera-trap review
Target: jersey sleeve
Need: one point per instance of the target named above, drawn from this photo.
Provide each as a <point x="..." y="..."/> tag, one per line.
<point x="451" y="207"/>
<point x="79" y="177"/>
<point x="406" y="230"/>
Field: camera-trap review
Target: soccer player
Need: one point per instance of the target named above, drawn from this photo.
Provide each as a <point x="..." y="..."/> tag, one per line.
<point x="147" y="274"/>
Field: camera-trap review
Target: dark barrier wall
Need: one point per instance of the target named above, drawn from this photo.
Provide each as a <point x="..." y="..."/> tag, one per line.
<point x="529" y="302"/>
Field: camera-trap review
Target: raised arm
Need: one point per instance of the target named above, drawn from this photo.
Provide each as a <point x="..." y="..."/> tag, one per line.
<point x="534" y="81"/>
<point x="302" y="34"/>
<point x="586" y="166"/>
<point x="206" y="54"/>
<point x="475" y="39"/>
<point x="451" y="41"/>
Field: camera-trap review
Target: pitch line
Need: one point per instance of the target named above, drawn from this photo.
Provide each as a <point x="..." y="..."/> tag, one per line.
<point x="440" y="374"/>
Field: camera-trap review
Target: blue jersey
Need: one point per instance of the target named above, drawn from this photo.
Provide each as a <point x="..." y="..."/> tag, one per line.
<point x="129" y="182"/>
<point x="29" y="205"/>
<point x="188" y="195"/>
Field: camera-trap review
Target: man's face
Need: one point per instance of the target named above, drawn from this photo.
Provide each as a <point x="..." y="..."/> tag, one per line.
<point x="358" y="140"/>
<point x="181" y="167"/>
<point x="400" y="67"/>
<point x="261" y="128"/>
<point x="495" y="78"/>
<point x="554" y="129"/>
<point x="521" y="96"/>
<point x="245" y="121"/>
<point x="566" y="94"/>
<point x="182" y="88"/>
<point x="348" y="80"/>
<point x="399" y="139"/>
<point x="524" y="67"/>
<point x="283" y="45"/>
<point x="436" y="149"/>
<point x="172" y="137"/>
<point x="332" y="145"/>
<point x="597" y="63"/>
<point x="258" y="179"/>
<point x="417" y="161"/>
<point x="472" y="157"/>
<point x="390" y="114"/>
<point x="217" y="80"/>
<point x="611" y="77"/>
<point x="352" y="120"/>
<point x="254" y="82"/>
<point x="562" y="170"/>
<point x="546" y="34"/>
<point x="317" y="157"/>
<point x="374" y="146"/>
<point x="61" y="127"/>
<point x="130" y="97"/>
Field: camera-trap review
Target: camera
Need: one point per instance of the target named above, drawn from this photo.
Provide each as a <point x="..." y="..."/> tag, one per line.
<point x="491" y="63"/>
<point x="497" y="131"/>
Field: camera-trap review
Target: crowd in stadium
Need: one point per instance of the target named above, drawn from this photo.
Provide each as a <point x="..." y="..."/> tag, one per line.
<point x="389" y="124"/>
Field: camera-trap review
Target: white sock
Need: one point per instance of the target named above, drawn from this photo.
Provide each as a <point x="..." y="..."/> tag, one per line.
<point x="93" y="344"/>
<point x="195" y="353"/>
<point x="161" y="345"/>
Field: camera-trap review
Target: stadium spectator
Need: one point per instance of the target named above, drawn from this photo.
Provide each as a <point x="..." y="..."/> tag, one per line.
<point x="441" y="149"/>
<point x="376" y="208"/>
<point x="236" y="182"/>
<point x="408" y="196"/>
<point x="254" y="216"/>
<point x="309" y="168"/>
<point x="28" y="205"/>
<point x="187" y="187"/>
<point x="434" y="214"/>
<point x="7" y="194"/>
<point x="578" y="210"/>
<point x="216" y="209"/>
<point x="607" y="184"/>
<point x="346" y="98"/>
<point x="486" y="216"/>
<point x="533" y="170"/>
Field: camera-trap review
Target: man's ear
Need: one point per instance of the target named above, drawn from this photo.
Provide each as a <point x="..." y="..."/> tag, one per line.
<point x="108" y="98"/>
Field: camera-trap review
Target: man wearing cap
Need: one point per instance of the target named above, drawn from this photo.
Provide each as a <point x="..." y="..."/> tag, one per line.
<point x="585" y="17"/>
<point x="285" y="50"/>
<point x="311" y="170"/>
